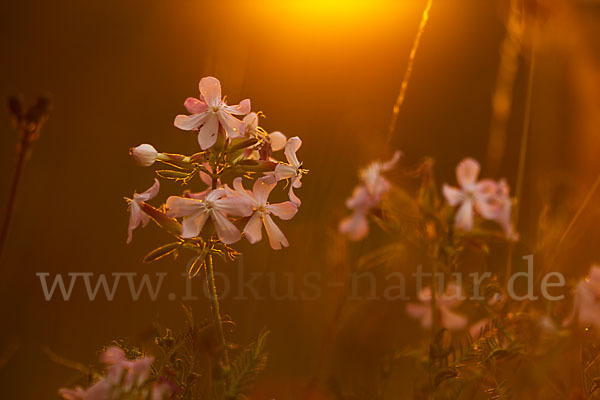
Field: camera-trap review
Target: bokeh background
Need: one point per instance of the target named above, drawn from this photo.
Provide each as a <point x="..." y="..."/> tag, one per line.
<point x="119" y="71"/>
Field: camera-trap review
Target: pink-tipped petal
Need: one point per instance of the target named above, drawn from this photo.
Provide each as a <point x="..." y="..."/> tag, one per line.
<point x="276" y="237"/>
<point x="210" y="88"/>
<point x="251" y="121"/>
<point x="195" y="106"/>
<point x="192" y="225"/>
<point x="226" y="231"/>
<point x="285" y="210"/>
<point x="190" y="122"/>
<point x="253" y="229"/>
<point x="453" y="195"/>
<point x="278" y="140"/>
<point x="467" y="172"/>
<point x="207" y="136"/>
<point x="182" y="207"/>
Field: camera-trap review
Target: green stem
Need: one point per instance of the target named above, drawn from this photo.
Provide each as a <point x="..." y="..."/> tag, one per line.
<point x="214" y="306"/>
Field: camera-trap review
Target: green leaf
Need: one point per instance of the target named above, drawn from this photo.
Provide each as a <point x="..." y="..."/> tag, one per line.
<point x="161" y="252"/>
<point x="257" y="165"/>
<point x="235" y="146"/>
<point x="171" y="225"/>
<point x="247" y="367"/>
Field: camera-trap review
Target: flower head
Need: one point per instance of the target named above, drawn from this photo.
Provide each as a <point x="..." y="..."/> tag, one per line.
<point x="293" y="169"/>
<point x="209" y="112"/>
<point x="445" y="303"/>
<point x="216" y="206"/>
<point x="144" y="154"/>
<point x="472" y="195"/>
<point x="366" y="196"/>
<point x="263" y="210"/>
<point x="137" y="215"/>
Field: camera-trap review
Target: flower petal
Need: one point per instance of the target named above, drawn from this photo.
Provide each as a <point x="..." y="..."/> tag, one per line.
<point x="150" y="193"/>
<point x="233" y="126"/>
<point x="241" y="109"/>
<point x="238" y="205"/>
<point x="284" y="171"/>
<point x="464" y="216"/>
<point x="355" y="226"/>
<point x="195" y="106"/>
<point x="251" y="121"/>
<point x="210" y="88"/>
<point x="291" y="147"/>
<point x="190" y="122"/>
<point x="467" y="171"/>
<point x="276" y="237"/>
<point x="182" y="207"/>
<point x="278" y="140"/>
<point x="253" y="229"/>
<point x="262" y="188"/>
<point x="192" y="225"/>
<point x="207" y="136"/>
<point x="453" y="195"/>
<point x="134" y="219"/>
<point x="293" y="198"/>
<point x="226" y="231"/>
<point x="451" y="320"/>
<point x="284" y="211"/>
<point x="388" y="165"/>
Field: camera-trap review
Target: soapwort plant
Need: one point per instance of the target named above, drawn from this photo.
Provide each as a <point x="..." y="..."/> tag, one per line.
<point x="233" y="155"/>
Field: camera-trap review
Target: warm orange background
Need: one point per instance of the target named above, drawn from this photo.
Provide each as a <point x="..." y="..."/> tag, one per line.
<point x="119" y="71"/>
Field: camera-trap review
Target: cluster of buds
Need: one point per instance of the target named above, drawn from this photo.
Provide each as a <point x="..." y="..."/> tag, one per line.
<point x="231" y="151"/>
<point x="123" y="378"/>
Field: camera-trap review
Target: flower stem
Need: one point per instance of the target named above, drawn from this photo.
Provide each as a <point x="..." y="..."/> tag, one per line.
<point x="12" y="194"/>
<point x="214" y="306"/>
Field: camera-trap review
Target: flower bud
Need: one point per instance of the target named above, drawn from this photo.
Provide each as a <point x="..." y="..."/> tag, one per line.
<point x="144" y="155"/>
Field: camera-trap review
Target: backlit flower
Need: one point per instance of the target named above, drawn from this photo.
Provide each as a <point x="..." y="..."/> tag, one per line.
<point x="445" y="303"/>
<point x="263" y="210"/>
<point x="215" y="206"/>
<point x="293" y="169"/>
<point x="137" y="216"/>
<point x="275" y="139"/>
<point x="367" y="196"/>
<point x="209" y="112"/>
<point x="472" y="195"/>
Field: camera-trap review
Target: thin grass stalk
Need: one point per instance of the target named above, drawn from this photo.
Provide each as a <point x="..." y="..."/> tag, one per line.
<point x="215" y="308"/>
<point x="408" y="72"/>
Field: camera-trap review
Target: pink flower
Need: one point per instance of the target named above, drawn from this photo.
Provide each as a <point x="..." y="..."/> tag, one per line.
<point x="477" y="328"/>
<point x="472" y="195"/>
<point x="138" y="216"/>
<point x="445" y="303"/>
<point x="293" y="169"/>
<point x="216" y="206"/>
<point x="209" y="112"/>
<point x="144" y="154"/>
<point x="263" y="210"/>
<point x="504" y="211"/>
<point x="586" y="301"/>
<point x="122" y="376"/>
<point x="367" y="196"/>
